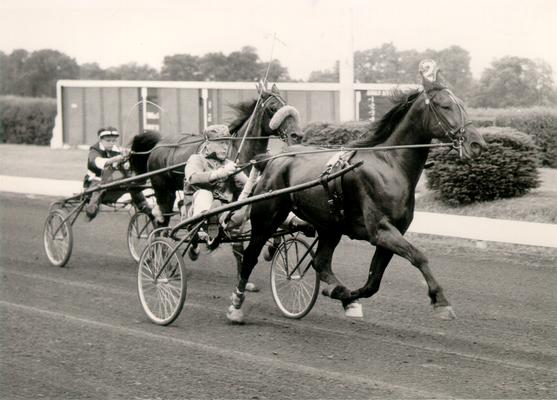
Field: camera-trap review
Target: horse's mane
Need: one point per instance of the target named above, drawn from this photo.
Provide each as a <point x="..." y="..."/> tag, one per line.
<point x="383" y="128"/>
<point x="243" y="111"/>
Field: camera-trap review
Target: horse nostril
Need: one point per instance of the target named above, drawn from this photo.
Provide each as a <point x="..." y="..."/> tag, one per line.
<point x="476" y="148"/>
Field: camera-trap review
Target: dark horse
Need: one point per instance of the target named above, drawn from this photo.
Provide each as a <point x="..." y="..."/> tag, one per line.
<point x="270" y="115"/>
<point x="378" y="198"/>
<point x="149" y="152"/>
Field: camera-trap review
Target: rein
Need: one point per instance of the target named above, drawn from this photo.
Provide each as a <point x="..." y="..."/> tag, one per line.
<point x="179" y="144"/>
<point x="328" y="150"/>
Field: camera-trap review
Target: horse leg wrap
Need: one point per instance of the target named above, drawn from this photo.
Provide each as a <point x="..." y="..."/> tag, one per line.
<point x="237" y="298"/>
<point x="158" y="214"/>
<point x="444" y="312"/>
<point x="234" y="312"/>
<point x="354" y="310"/>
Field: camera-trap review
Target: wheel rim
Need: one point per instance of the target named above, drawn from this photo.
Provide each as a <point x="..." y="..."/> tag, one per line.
<point x="294" y="292"/>
<point x="139" y="230"/>
<point x="57" y="238"/>
<point x="162" y="299"/>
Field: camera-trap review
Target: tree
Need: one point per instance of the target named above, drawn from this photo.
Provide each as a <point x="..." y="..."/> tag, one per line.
<point x="327" y="75"/>
<point x="4" y="60"/>
<point x="42" y="69"/>
<point x="378" y="65"/>
<point x="11" y="72"/>
<point x="454" y="63"/>
<point x="91" y="71"/>
<point x="277" y="73"/>
<point x="213" y="67"/>
<point x="132" y="71"/>
<point x="243" y="65"/>
<point x="181" y="67"/>
<point x="515" y="82"/>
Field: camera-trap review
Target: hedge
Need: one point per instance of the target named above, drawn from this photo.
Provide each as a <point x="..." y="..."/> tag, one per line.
<point x="334" y="133"/>
<point x="26" y="120"/>
<point x="507" y="168"/>
<point x="538" y="122"/>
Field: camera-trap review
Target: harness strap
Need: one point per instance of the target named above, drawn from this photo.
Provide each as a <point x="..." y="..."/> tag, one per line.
<point x="333" y="189"/>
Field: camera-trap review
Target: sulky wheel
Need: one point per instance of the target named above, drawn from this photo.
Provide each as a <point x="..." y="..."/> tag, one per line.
<point x="294" y="282"/>
<point x="58" y="238"/>
<point x="162" y="294"/>
<point x="140" y="226"/>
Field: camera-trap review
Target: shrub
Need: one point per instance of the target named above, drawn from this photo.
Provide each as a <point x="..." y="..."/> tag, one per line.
<point x="541" y="124"/>
<point x="334" y="133"/>
<point x="507" y="168"/>
<point x="27" y="120"/>
<point x="538" y="122"/>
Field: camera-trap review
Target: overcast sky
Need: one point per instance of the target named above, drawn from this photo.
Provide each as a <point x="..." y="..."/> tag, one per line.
<point x="312" y="32"/>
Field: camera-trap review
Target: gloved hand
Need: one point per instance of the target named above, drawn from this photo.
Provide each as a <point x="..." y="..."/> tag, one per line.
<point x="115" y="159"/>
<point x="224" y="171"/>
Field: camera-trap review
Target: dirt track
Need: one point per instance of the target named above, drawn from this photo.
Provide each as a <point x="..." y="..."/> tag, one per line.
<point x="79" y="331"/>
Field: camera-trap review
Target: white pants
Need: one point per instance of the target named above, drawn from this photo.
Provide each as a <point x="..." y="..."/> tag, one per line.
<point x="201" y="201"/>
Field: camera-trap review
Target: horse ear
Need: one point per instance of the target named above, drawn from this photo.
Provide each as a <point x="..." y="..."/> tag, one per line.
<point x="274" y="89"/>
<point x="259" y="87"/>
<point x="428" y="70"/>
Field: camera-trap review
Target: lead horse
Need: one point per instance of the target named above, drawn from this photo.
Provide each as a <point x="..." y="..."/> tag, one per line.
<point x="378" y="198"/>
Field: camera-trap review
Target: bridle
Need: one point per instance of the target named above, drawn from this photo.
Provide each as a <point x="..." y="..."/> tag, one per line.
<point x="280" y="130"/>
<point x="456" y="135"/>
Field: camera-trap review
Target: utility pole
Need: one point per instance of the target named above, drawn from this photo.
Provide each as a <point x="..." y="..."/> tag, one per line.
<point x="346" y="65"/>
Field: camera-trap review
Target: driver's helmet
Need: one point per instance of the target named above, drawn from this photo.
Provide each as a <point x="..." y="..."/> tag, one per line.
<point x="108" y="132"/>
<point x="218" y="131"/>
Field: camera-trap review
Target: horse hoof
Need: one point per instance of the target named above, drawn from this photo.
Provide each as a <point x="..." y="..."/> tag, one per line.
<point x="354" y="310"/>
<point x="157" y="213"/>
<point x="235" y="315"/>
<point x="327" y="290"/>
<point x="251" y="287"/>
<point x="445" y="312"/>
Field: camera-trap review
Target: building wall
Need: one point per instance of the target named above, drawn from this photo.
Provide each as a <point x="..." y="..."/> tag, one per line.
<point x="187" y="107"/>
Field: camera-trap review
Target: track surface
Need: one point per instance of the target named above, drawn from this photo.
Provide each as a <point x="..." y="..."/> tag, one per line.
<point x="79" y="332"/>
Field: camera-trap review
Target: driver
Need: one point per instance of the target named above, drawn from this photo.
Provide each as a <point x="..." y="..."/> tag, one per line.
<point x="210" y="176"/>
<point x="208" y="173"/>
<point x="104" y="159"/>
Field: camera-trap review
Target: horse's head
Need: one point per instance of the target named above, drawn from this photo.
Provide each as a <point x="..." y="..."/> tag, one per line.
<point x="278" y="117"/>
<point x="445" y="116"/>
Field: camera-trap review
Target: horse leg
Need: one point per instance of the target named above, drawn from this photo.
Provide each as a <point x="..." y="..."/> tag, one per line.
<point x="335" y="289"/>
<point x="238" y="251"/>
<point x="379" y="262"/>
<point x="262" y="228"/>
<point x="165" y="203"/>
<point x="390" y="237"/>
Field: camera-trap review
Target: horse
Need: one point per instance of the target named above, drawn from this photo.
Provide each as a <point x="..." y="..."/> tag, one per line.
<point x="150" y="152"/>
<point x="377" y="198"/>
<point x="256" y="120"/>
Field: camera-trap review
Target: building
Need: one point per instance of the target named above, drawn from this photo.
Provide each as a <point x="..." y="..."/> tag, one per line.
<point x="187" y="107"/>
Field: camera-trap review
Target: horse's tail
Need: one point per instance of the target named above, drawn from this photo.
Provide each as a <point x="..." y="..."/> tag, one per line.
<point x="142" y="144"/>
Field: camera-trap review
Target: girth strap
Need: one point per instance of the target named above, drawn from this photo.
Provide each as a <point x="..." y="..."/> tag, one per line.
<point x="333" y="188"/>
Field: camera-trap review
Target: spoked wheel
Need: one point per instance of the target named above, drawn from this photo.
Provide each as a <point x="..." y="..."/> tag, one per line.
<point x="58" y="238"/>
<point x="162" y="294"/>
<point x="294" y="282"/>
<point x="140" y="226"/>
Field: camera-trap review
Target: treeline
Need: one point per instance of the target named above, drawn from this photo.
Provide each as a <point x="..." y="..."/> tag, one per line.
<point x="35" y="74"/>
<point x="509" y="81"/>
